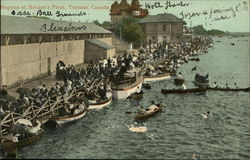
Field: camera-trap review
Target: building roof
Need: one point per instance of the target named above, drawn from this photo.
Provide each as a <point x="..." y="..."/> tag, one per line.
<point x="99" y="43"/>
<point x="31" y="25"/>
<point x="169" y="18"/>
<point x="116" y="9"/>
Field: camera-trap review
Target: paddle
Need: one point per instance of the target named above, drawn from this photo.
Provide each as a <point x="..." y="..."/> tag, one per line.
<point x="128" y="112"/>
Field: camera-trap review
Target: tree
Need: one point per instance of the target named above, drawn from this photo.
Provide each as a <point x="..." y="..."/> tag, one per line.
<point x="133" y="33"/>
<point x="130" y="30"/>
<point x="200" y="30"/>
<point x="106" y="24"/>
<point x="96" y="22"/>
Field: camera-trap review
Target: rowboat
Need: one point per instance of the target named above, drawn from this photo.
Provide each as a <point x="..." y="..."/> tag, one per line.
<point x="22" y="143"/>
<point x="201" y="84"/>
<point x="146" y="86"/>
<point x="181" y="91"/>
<point x="124" y="89"/>
<point x="152" y="110"/>
<point x="100" y="105"/>
<point x="137" y="95"/>
<point x="69" y="118"/>
<point x="194" y="59"/>
<point x="230" y="89"/>
<point x="201" y="81"/>
<point x="157" y="77"/>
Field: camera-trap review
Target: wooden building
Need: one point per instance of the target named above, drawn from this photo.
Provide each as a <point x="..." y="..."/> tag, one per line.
<point x="162" y="27"/>
<point x="31" y="47"/>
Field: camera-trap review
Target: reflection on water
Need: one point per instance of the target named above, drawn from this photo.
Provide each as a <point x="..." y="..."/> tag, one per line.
<point x="178" y="133"/>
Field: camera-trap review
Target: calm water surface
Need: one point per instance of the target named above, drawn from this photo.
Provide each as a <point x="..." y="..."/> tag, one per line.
<point x="176" y="133"/>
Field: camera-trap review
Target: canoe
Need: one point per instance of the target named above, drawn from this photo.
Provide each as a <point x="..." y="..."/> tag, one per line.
<point x="201" y="84"/>
<point x="24" y="142"/>
<point x="230" y="89"/>
<point x="157" y="77"/>
<point x="148" y="113"/>
<point x="69" y="118"/>
<point x="137" y="95"/>
<point x="179" y="81"/>
<point x="100" y="105"/>
<point x="194" y="59"/>
<point x="180" y="91"/>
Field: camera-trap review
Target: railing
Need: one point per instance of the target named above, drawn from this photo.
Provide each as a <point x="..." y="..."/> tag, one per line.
<point x="43" y="113"/>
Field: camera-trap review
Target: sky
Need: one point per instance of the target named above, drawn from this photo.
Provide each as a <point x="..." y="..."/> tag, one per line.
<point x="226" y="15"/>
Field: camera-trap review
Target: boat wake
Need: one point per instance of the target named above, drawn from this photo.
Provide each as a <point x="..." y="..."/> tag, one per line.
<point x="138" y="129"/>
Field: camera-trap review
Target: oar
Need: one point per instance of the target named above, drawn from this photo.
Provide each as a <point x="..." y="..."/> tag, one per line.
<point x="128" y="112"/>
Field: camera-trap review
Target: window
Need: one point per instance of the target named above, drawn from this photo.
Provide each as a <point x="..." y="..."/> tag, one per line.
<point x="164" y="28"/>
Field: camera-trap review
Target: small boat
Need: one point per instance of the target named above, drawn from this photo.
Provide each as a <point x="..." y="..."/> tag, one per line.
<point x="181" y="91"/>
<point x="137" y="95"/>
<point x="201" y="84"/>
<point x="201" y="81"/>
<point x="194" y="59"/>
<point x="69" y="118"/>
<point x="23" y="142"/>
<point x="100" y="105"/>
<point x="179" y="81"/>
<point x="123" y="90"/>
<point x="157" y="77"/>
<point x="230" y="89"/>
<point x="152" y="110"/>
<point x="146" y="86"/>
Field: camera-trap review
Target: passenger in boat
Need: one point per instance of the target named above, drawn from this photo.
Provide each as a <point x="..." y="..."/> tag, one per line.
<point x="206" y="115"/>
<point x="215" y="85"/>
<point x="183" y="86"/>
<point x="194" y="68"/>
<point x="138" y="90"/>
<point x="235" y="84"/>
<point x="227" y="85"/>
<point x="179" y="75"/>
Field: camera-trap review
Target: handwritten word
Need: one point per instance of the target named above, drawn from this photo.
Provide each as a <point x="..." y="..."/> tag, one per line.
<point x="152" y="6"/>
<point x="167" y="5"/>
<point x="180" y="4"/>
<point x="52" y="28"/>
<point x="218" y="13"/>
<point x="47" y="13"/>
<point x="59" y="14"/>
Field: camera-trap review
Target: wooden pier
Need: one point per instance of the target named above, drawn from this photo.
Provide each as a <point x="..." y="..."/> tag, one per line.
<point x="48" y="109"/>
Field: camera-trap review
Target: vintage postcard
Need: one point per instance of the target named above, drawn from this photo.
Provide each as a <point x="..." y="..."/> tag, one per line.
<point x="125" y="79"/>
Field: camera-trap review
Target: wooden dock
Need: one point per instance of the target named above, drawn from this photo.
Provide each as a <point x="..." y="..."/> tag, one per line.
<point x="48" y="109"/>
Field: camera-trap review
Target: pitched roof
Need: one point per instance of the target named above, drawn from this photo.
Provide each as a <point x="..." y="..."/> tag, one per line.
<point x="24" y="25"/>
<point x="170" y="18"/>
<point x="99" y="43"/>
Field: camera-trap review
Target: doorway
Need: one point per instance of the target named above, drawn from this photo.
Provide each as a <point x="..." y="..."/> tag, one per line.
<point x="49" y="65"/>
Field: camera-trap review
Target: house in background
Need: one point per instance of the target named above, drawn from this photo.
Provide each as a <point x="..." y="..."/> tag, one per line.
<point x="121" y="10"/>
<point x="162" y="27"/>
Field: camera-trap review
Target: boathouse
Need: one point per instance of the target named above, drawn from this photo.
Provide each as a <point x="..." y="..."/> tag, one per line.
<point x="31" y="47"/>
<point x="162" y="27"/>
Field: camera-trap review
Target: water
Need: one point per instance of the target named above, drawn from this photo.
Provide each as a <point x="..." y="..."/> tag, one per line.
<point x="177" y="133"/>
